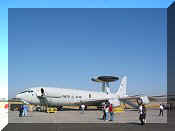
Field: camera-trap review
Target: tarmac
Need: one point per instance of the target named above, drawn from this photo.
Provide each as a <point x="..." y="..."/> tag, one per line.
<point x="89" y="116"/>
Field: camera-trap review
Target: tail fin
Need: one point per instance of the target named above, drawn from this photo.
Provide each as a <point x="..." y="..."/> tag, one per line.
<point x="122" y="89"/>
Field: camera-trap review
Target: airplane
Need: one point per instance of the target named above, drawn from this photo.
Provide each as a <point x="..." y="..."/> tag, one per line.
<point x="59" y="97"/>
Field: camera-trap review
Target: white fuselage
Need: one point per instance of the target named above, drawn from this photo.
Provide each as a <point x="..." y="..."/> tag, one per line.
<point x="62" y="96"/>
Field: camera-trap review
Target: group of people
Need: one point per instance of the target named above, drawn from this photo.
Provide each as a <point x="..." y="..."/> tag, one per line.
<point x="142" y="112"/>
<point x="108" y="114"/>
<point x="23" y="110"/>
<point x="169" y="107"/>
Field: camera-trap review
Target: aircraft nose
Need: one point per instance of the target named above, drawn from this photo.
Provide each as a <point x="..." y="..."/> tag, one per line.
<point x="18" y="96"/>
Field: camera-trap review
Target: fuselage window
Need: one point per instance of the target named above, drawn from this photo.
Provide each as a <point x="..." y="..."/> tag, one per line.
<point x="30" y="91"/>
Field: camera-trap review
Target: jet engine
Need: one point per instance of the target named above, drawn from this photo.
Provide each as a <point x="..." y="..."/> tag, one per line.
<point x="143" y="100"/>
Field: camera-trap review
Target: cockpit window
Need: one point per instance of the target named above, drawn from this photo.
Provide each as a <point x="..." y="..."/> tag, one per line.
<point x="28" y="91"/>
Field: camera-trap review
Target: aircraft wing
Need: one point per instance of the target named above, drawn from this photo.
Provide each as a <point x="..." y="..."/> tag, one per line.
<point x="158" y="98"/>
<point x="130" y="101"/>
<point x="134" y="101"/>
<point x="150" y="98"/>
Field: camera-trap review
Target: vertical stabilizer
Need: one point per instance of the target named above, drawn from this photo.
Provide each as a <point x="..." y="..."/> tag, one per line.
<point x="122" y="88"/>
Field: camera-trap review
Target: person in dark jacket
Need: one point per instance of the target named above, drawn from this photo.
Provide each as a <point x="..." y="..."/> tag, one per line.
<point x="161" y="110"/>
<point x="104" y="113"/>
<point x="141" y="116"/>
<point x="21" y="109"/>
<point x="144" y="113"/>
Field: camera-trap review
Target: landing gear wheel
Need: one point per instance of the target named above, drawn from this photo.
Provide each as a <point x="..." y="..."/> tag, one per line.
<point x="59" y="108"/>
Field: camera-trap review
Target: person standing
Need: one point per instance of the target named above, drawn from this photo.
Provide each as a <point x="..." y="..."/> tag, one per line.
<point x="168" y="107"/>
<point x="141" y="116"/>
<point x="25" y="110"/>
<point x="104" y="113"/>
<point x="161" y="110"/>
<point x="111" y="112"/>
<point x="144" y="113"/>
<point x="107" y="112"/>
<point x="21" y="110"/>
<point x="82" y="108"/>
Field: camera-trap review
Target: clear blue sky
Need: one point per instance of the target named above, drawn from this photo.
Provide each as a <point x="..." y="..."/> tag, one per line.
<point x="66" y="47"/>
<point x="4" y="5"/>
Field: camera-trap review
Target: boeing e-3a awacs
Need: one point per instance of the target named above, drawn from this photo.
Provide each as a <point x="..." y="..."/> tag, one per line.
<point x="59" y="97"/>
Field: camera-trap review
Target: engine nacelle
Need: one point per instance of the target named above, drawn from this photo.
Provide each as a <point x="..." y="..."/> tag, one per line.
<point x="40" y="91"/>
<point x="114" y="102"/>
<point x="143" y="100"/>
